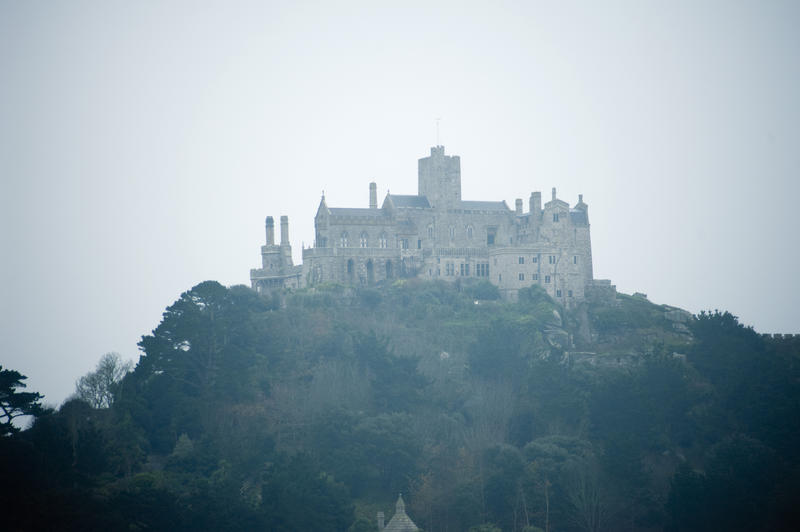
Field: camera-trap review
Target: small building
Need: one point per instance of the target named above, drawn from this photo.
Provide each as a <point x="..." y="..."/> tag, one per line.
<point x="400" y="522"/>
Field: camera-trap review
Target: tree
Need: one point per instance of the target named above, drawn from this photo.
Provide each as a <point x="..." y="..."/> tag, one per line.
<point x="99" y="387"/>
<point x="14" y="404"/>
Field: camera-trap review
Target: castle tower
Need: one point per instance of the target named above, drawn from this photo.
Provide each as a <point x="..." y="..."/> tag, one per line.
<point x="440" y="179"/>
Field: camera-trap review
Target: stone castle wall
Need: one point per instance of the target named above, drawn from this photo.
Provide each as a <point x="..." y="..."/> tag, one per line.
<point x="439" y="236"/>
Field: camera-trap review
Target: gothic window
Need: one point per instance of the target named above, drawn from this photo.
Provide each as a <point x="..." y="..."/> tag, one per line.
<point x="430" y="232"/>
<point x="363" y="240"/>
<point x="466" y="269"/>
<point x="382" y="240"/>
<point x="344" y="239"/>
<point x="552" y="259"/>
<point x="404" y="243"/>
<point x="469" y="232"/>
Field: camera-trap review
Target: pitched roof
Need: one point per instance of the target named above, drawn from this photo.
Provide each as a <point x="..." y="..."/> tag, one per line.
<point x="484" y="205"/>
<point x="409" y="201"/>
<point x="338" y="211"/>
<point x="400" y="522"/>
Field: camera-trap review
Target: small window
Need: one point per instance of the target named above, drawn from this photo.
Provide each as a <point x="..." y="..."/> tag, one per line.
<point x="535" y="259"/>
<point x="522" y="260"/>
<point x="382" y="240"/>
<point x="419" y="243"/>
<point x="452" y="232"/>
<point x="469" y="232"/>
<point x="466" y="269"/>
<point x="404" y="243"/>
<point x="462" y="269"/>
<point x="555" y="217"/>
<point x="558" y="293"/>
<point x="546" y="278"/>
<point x="535" y="276"/>
<point x="575" y="259"/>
<point x="362" y="242"/>
<point x="522" y="277"/>
<point x="552" y="259"/>
<point x="344" y="239"/>
<point x="490" y="239"/>
<point x="569" y="293"/>
<point x="430" y="232"/>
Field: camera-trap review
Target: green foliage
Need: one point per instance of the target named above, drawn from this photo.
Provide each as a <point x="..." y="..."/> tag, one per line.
<point x="14" y="403"/>
<point x="280" y="412"/>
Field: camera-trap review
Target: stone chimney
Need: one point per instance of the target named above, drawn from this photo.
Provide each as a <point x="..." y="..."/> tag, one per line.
<point x="373" y="195"/>
<point x="270" y="223"/>
<point x="284" y="230"/>
<point x="381" y="521"/>
<point x="554" y="193"/>
<point x="535" y="203"/>
<point x="518" y="205"/>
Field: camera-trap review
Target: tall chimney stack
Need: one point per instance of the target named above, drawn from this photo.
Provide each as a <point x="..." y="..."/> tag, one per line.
<point x="284" y="230"/>
<point x="373" y="195"/>
<point x="518" y="205"/>
<point x="270" y="224"/>
<point x="554" y="193"/>
<point x="535" y="202"/>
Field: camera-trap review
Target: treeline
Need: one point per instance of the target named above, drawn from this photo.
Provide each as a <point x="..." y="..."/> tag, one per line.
<point x="312" y="410"/>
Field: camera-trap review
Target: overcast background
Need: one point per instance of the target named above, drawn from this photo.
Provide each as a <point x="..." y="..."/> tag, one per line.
<point x="143" y="143"/>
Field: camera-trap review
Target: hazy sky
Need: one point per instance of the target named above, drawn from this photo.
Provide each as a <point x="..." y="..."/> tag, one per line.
<point x="143" y="143"/>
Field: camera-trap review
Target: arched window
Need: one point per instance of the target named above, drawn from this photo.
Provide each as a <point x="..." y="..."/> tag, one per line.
<point x="469" y="232"/>
<point x="382" y="240"/>
<point x="430" y="232"/>
<point x="344" y="239"/>
<point x="362" y="242"/>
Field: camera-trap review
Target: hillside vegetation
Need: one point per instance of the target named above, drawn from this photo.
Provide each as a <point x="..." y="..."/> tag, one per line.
<point x="312" y="410"/>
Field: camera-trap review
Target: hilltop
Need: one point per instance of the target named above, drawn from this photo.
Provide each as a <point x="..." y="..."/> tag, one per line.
<point x="312" y="409"/>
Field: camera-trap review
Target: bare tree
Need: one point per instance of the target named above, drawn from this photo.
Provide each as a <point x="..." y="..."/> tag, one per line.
<point x="99" y="387"/>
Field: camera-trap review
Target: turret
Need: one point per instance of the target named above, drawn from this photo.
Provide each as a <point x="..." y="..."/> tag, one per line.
<point x="270" y="226"/>
<point x="373" y="195"/>
<point x="284" y="230"/>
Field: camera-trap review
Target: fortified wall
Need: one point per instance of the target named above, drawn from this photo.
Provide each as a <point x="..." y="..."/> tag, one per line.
<point x="435" y="234"/>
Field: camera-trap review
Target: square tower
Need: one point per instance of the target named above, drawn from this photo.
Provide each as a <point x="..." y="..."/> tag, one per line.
<point x="440" y="179"/>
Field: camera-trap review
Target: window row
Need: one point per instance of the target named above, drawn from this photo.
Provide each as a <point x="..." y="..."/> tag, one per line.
<point x="551" y="259"/>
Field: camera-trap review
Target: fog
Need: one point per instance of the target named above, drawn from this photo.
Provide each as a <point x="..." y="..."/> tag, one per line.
<point x="142" y="144"/>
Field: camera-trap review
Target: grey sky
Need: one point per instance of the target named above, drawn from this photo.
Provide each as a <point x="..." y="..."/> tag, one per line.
<point x="143" y="143"/>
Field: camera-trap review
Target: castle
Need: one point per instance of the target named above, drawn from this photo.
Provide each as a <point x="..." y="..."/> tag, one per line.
<point x="437" y="235"/>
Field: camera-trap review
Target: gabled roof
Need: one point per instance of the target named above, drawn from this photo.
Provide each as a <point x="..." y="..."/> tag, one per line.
<point x="484" y="205"/>
<point x="400" y="521"/>
<point x="400" y="201"/>
<point x="354" y="212"/>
